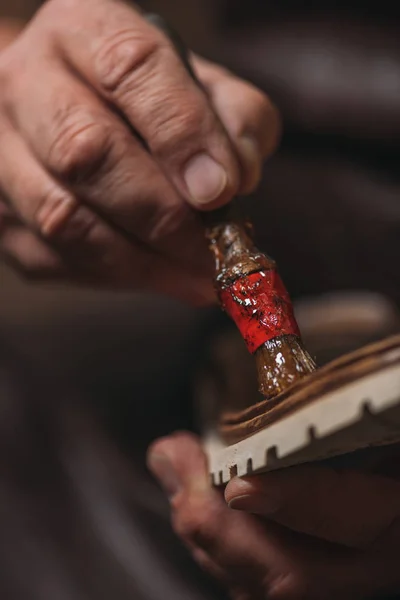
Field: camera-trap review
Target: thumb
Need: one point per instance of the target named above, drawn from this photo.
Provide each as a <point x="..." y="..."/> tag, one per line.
<point x="345" y="507"/>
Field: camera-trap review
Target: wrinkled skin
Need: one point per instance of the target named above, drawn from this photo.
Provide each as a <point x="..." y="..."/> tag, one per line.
<point x="83" y="198"/>
<point x="309" y="532"/>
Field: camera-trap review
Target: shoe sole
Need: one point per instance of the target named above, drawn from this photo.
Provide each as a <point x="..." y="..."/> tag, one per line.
<point x="354" y="416"/>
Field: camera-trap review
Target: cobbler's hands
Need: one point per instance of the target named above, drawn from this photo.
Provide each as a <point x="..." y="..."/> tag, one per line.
<point x="83" y="199"/>
<point x="315" y="533"/>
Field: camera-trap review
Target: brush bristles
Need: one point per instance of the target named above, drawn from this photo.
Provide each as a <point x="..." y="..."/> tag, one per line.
<point x="280" y="362"/>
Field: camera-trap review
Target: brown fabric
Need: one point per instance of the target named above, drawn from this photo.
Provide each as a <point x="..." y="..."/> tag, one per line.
<point x="79" y="515"/>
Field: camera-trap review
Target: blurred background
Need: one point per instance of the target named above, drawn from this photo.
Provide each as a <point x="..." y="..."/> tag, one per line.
<point x="328" y="211"/>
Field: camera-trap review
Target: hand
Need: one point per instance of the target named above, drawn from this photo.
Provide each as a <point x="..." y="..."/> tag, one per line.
<point x="83" y="199"/>
<point x="324" y="534"/>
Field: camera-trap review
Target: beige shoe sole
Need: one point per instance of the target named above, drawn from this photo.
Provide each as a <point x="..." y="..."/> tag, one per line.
<point x="356" y="405"/>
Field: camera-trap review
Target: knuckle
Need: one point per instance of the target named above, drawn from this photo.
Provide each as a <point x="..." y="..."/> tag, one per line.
<point x="54" y="210"/>
<point x="178" y="124"/>
<point x="59" y="8"/>
<point x="122" y="55"/>
<point x="196" y="523"/>
<point x="78" y="231"/>
<point x="61" y="220"/>
<point x="81" y="145"/>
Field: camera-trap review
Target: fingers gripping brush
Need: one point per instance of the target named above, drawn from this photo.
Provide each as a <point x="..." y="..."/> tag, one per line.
<point x="249" y="287"/>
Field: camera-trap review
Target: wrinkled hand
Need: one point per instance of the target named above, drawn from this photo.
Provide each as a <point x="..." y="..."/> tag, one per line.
<point x="82" y="198"/>
<point x="325" y="534"/>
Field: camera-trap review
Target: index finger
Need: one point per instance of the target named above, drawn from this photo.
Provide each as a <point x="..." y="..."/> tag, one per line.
<point x="341" y="506"/>
<point x="134" y="66"/>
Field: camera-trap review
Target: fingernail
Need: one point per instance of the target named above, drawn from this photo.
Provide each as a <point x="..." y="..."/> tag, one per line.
<point x="251" y="159"/>
<point x="162" y="469"/>
<point x="205" y="179"/>
<point x="260" y="504"/>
